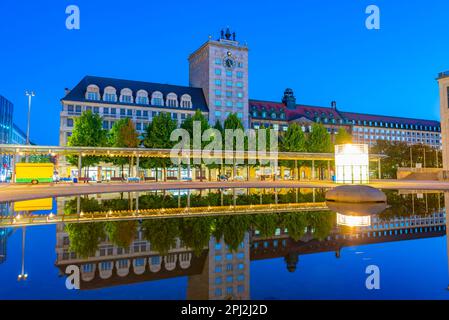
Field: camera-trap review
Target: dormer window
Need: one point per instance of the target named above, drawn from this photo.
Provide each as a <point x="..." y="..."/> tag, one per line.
<point x="126" y="96"/>
<point x="157" y="99"/>
<point x="186" y="101"/>
<point x="172" y="100"/>
<point x="142" y="97"/>
<point x="110" y="94"/>
<point x="93" y="92"/>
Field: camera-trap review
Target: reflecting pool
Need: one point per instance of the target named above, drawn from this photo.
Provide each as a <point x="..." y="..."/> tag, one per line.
<point x="223" y="244"/>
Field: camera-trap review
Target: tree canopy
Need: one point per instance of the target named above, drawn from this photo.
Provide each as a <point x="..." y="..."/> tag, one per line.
<point x="343" y="137"/>
<point x="87" y="132"/>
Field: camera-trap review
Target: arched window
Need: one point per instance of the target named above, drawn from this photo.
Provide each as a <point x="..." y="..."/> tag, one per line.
<point x="126" y="96"/>
<point x="186" y="101"/>
<point x="157" y="99"/>
<point x="93" y="92"/>
<point x="172" y="100"/>
<point x="142" y="97"/>
<point x="110" y="94"/>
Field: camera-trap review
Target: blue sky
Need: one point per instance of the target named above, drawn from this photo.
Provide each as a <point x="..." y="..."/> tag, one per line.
<point x="320" y="48"/>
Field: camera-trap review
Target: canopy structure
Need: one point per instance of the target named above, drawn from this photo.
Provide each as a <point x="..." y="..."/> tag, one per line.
<point x="24" y="150"/>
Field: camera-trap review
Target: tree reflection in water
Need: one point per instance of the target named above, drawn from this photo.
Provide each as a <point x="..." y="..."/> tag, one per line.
<point x="196" y="232"/>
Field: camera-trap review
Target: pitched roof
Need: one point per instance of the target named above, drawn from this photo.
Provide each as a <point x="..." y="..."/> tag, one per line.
<point x="399" y="120"/>
<point x="311" y="112"/>
<point x="79" y="91"/>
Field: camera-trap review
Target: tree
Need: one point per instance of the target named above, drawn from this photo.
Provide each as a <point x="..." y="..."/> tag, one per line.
<point x="157" y="136"/>
<point x="123" y="134"/>
<point x="188" y="124"/>
<point x="121" y="233"/>
<point x="294" y="140"/>
<point x="233" y="122"/>
<point x="161" y="233"/>
<point x="319" y="139"/>
<point x="398" y="153"/>
<point x="85" y="237"/>
<point x="87" y="132"/>
<point x="343" y="137"/>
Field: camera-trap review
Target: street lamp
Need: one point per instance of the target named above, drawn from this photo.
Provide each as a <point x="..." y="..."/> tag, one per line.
<point x="29" y="94"/>
<point x="23" y="276"/>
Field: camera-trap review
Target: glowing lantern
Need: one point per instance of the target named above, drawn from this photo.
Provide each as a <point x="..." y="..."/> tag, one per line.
<point x="353" y="221"/>
<point x="352" y="163"/>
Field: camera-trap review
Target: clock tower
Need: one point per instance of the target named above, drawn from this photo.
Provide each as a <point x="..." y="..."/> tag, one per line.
<point x="220" y="68"/>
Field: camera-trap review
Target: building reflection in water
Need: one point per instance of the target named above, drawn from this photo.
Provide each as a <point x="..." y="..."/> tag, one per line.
<point x="217" y="264"/>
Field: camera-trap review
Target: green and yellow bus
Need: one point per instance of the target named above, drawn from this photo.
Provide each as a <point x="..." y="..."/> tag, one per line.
<point x="34" y="173"/>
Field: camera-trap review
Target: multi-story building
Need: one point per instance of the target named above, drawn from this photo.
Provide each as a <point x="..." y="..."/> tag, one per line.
<point x="221" y="69"/>
<point x="114" y="99"/>
<point x="6" y="120"/>
<point x="443" y="80"/>
<point x="218" y="86"/>
<point x="365" y="128"/>
<point x="18" y="136"/>
<point x="9" y="134"/>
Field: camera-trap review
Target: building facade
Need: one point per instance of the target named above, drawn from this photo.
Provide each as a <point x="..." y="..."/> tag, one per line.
<point x="443" y="80"/>
<point x="365" y="128"/>
<point x="218" y="86"/>
<point x="221" y="68"/>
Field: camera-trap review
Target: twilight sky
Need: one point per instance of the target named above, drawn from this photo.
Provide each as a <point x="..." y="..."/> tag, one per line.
<point x="320" y="48"/>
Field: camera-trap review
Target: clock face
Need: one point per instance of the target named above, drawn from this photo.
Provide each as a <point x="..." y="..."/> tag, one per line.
<point x="229" y="63"/>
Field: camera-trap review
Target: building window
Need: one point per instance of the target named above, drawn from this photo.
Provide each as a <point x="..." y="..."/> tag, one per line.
<point x="142" y="97"/>
<point x="110" y="94"/>
<point x="218" y="103"/>
<point x="239" y="104"/>
<point x="239" y="74"/>
<point x="217" y="61"/>
<point x="92" y="96"/>
<point x="217" y="114"/>
<point x="218" y="72"/>
<point x="229" y="103"/>
<point x="126" y="96"/>
<point x="218" y="92"/>
<point x="69" y="122"/>
<point x="93" y="92"/>
<point x="186" y="101"/>
<point x="105" y="125"/>
<point x="240" y="95"/>
<point x="229" y="94"/>
<point x="239" y="84"/>
<point x="172" y="100"/>
<point x="240" y="115"/>
<point x="229" y="83"/>
<point x="157" y="99"/>
<point x="228" y="73"/>
<point x="218" y="82"/>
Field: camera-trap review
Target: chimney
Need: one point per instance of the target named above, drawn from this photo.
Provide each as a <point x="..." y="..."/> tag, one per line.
<point x="334" y="105"/>
<point x="289" y="99"/>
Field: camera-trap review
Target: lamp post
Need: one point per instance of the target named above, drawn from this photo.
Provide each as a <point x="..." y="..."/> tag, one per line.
<point x="23" y="275"/>
<point x="30" y="95"/>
